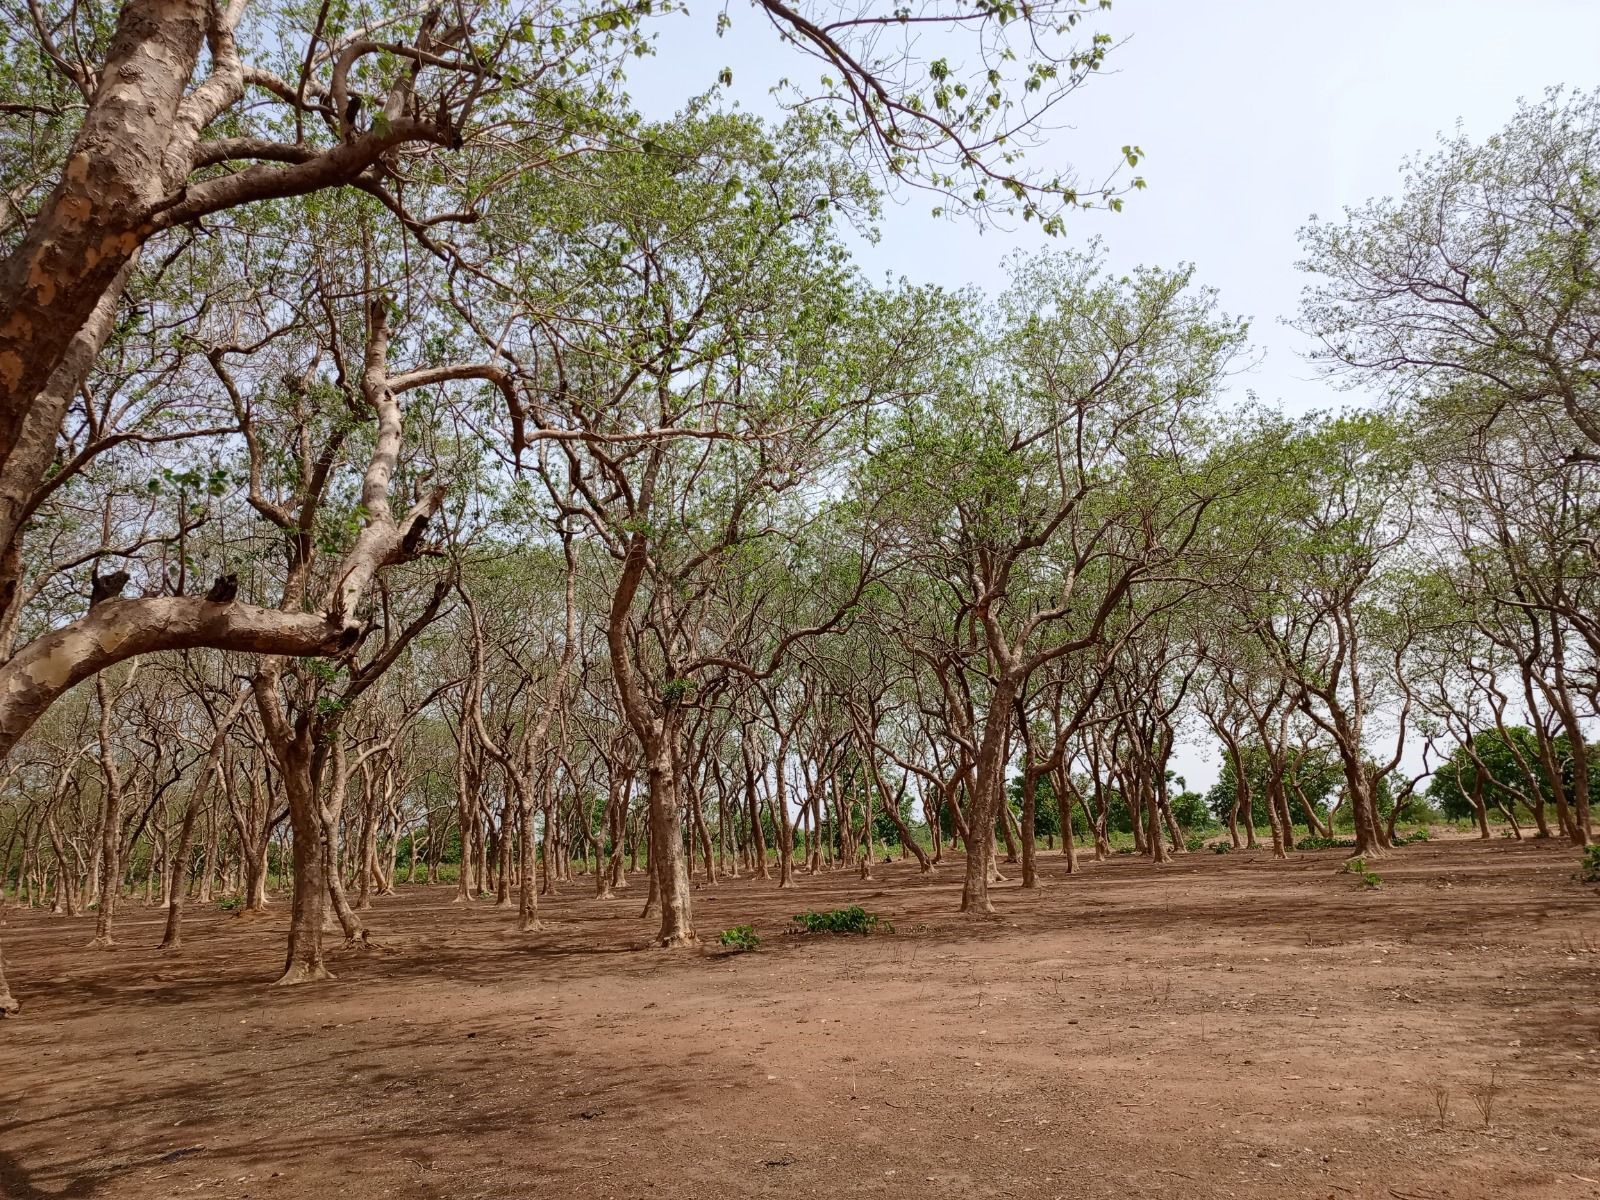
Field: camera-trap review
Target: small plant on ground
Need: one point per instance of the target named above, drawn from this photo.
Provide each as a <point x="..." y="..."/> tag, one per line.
<point x="1364" y="876"/>
<point x="1194" y="842"/>
<point x="1221" y="848"/>
<point x="231" y="903"/>
<point x="854" y="919"/>
<point x="1483" y="1095"/>
<point x="1441" y="1100"/>
<point x="1589" y="868"/>
<point x="740" y="937"/>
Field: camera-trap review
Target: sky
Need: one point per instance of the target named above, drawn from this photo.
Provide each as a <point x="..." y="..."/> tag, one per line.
<point x="1253" y="115"/>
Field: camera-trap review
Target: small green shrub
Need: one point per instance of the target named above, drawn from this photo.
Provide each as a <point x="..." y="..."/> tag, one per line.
<point x="1364" y="877"/>
<point x="1589" y="868"/>
<point x="854" y="919"/>
<point x="1317" y="842"/>
<point x="740" y="937"/>
<point x="231" y="903"/>
<point x="1222" y="848"/>
<point x="1193" y="842"/>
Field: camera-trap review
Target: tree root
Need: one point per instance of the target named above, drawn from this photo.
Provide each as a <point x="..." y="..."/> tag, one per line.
<point x="298" y="973"/>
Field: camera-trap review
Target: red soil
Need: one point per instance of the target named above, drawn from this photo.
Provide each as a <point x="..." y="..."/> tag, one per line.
<point x="1226" y="1026"/>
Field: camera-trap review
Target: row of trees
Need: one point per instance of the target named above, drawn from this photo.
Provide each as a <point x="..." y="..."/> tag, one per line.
<point x="489" y="463"/>
<point x="286" y="294"/>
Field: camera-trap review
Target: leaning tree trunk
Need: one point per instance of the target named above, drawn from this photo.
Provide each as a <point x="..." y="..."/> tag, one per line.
<point x="1480" y="810"/>
<point x="330" y="818"/>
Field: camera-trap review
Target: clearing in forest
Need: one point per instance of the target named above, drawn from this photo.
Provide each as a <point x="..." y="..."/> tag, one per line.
<point x="1226" y="1026"/>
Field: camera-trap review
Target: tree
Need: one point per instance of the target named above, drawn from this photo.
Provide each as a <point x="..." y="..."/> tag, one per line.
<point x="1347" y="487"/>
<point x="1477" y="290"/>
<point x="1051" y="473"/>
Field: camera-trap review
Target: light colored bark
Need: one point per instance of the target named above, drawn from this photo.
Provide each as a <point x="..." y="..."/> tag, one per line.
<point x="9" y="1005"/>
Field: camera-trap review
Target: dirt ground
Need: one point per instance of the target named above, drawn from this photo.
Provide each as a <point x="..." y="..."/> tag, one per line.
<point x="1226" y="1026"/>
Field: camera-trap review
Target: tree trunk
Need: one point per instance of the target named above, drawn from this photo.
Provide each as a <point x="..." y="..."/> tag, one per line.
<point x="619" y="835"/>
<point x="757" y="834"/>
<point x="111" y="824"/>
<point x="309" y="907"/>
<point x="502" y="892"/>
<point x="177" y="868"/>
<point x="1364" y="810"/>
<point x="527" y="883"/>
<point x="1030" y="864"/>
<point x="9" y="1005"/>
<point x="667" y="859"/>
<point x="298" y="773"/>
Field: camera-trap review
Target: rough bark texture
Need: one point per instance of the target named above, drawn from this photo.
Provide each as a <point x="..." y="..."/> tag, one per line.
<point x="988" y="795"/>
<point x="304" y="962"/>
<point x="100" y="210"/>
<point x="657" y="734"/>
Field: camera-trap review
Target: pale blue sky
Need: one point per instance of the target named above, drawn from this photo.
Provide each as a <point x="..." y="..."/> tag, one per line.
<point x="1254" y="114"/>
